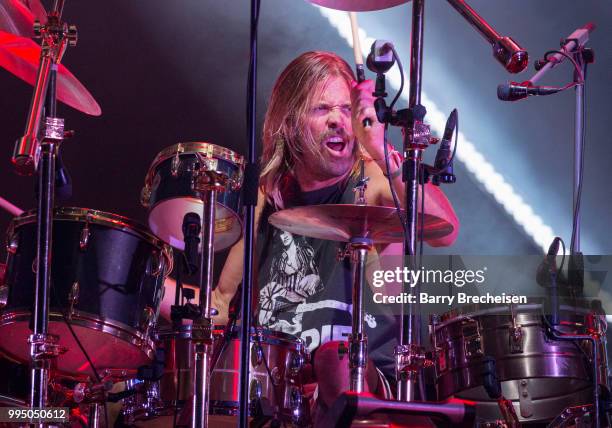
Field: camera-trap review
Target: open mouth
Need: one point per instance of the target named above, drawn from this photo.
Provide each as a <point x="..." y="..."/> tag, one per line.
<point x="336" y="144"/>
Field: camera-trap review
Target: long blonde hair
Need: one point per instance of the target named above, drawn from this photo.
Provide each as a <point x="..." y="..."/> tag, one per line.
<point x="285" y="134"/>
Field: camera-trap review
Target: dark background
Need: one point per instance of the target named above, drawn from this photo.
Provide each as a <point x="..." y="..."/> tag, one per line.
<point x="168" y="72"/>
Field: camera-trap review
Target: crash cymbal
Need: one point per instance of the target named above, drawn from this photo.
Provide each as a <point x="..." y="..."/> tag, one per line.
<point x="342" y="222"/>
<point x="358" y="5"/>
<point x="16" y="18"/>
<point x="21" y="56"/>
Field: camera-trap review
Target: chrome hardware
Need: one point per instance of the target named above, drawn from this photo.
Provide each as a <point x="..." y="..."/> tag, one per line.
<point x="176" y="161"/>
<point x="472" y="340"/>
<point x="158" y="263"/>
<point x="255" y="390"/>
<point x="256" y="355"/>
<point x="45" y="346"/>
<point x="525" y="403"/>
<point x="84" y="240"/>
<point x="73" y="298"/>
<point x="147" y="319"/>
<point x="145" y="196"/>
<point x="295" y="402"/>
<point x="296" y="363"/>
<point x="13" y="244"/>
<point x="4" y="292"/>
<point x="54" y="128"/>
<point x="360" y="189"/>
<point x="515" y="333"/>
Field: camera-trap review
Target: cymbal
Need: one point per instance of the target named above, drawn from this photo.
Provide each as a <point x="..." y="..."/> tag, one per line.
<point x="20" y="56"/>
<point x="358" y="5"/>
<point x="341" y="222"/>
<point x="17" y="16"/>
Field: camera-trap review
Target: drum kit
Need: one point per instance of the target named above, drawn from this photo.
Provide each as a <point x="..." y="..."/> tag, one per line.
<point x="88" y="317"/>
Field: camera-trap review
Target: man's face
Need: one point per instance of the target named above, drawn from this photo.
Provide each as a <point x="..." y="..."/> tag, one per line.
<point x="329" y="122"/>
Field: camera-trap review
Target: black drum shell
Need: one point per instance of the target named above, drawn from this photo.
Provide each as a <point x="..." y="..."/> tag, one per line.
<point x="120" y="283"/>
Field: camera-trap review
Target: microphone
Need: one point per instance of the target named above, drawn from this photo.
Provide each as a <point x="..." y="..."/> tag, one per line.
<point x="191" y="236"/>
<point x="381" y="58"/>
<point x="442" y="164"/>
<point x="548" y="264"/>
<point x="517" y="91"/>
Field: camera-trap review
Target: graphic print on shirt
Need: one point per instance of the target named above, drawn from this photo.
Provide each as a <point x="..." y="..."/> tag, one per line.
<point x="292" y="278"/>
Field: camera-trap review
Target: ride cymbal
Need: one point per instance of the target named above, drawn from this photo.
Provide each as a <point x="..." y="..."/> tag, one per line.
<point x="341" y="222"/>
<point x="358" y="5"/>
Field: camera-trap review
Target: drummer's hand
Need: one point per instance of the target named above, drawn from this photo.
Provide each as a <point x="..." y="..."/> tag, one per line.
<point x="362" y="107"/>
<point x="220" y="302"/>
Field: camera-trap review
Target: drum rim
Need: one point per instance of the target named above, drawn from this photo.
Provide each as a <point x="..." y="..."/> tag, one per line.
<point x="87" y="320"/>
<point x="104" y="218"/>
<point x="184" y="331"/>
<point x="483" y="309"/>
<point x="189" y="147"/>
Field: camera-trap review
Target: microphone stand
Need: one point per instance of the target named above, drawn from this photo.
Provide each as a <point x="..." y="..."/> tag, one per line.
<point x="575" y="46"/>
<point x="409" y="354"/>
<point x="507" y="51"/>
<point x="30" y="156"/>
<point x="251" y="180"/>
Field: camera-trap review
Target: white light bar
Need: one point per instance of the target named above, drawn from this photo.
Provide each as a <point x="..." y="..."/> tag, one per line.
<point x="484" y="172"/>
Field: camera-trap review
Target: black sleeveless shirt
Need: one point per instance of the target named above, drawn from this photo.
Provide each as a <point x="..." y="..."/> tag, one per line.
<point x="305" y="291"/>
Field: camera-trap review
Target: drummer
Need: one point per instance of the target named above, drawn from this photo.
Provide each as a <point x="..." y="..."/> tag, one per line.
<point x="313" y="140"/>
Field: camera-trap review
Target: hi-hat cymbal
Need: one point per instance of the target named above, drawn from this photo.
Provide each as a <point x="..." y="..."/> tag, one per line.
<point x="358" y="5"/>
<point x="21" y="56"/>
<point x="17" y="16"/>
<point x="342" y="222"/>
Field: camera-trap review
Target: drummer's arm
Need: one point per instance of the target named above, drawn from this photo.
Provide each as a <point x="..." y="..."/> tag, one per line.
<point x="436" y="202"/>
<point x="231" y="277"/>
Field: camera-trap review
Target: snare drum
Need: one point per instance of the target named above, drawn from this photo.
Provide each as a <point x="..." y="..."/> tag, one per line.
<point x="280" y="389"/>
<point x="107" y="281"/>
<point x="541" y="376"/>
<point x="170" y="191"/>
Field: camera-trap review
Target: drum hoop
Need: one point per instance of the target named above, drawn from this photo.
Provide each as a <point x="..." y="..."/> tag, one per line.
<point x="102" y="218"/>
<point x="477" y="310"/>
<point x="193" y="147"/>
<point x="114" y="328"/>
<point x="184" y="332"/>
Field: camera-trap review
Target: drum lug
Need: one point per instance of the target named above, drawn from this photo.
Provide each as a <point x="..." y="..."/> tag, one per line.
<point x="255" y="390"/>
<point x="472" y="340"/>
<point x="73" y="298"/>
<point x="256" y="354"/>
<point x="176" y="161"/>
<point x="296" y="364"/>
<point x="158" y="263"/>
<point x="84" y="240"/>
<point x="515" y="336"/>
<point x="525" y="403"/>
<point x="296" y="401"/>
<point x="4" y="293"/>
<point x="13" y="244"/>
<point x="147" y="319"/>
<point x="145" y="196"/>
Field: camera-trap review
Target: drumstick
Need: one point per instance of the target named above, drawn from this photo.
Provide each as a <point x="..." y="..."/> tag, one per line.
<point x="10" y="207"/>
<point x="359" y="70"/>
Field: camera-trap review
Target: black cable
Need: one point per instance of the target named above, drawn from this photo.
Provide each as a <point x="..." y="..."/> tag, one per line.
<point x="576" y="212"/>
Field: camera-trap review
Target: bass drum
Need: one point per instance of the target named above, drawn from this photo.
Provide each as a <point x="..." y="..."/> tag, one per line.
<point x="106" y="286"/>
<point x="541" y="376"/>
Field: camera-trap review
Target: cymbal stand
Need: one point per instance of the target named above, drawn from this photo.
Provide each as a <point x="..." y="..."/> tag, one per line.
<point x="208" y="182"/>
<point x="31" y="155"/>
<point x="357" y="249"/>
